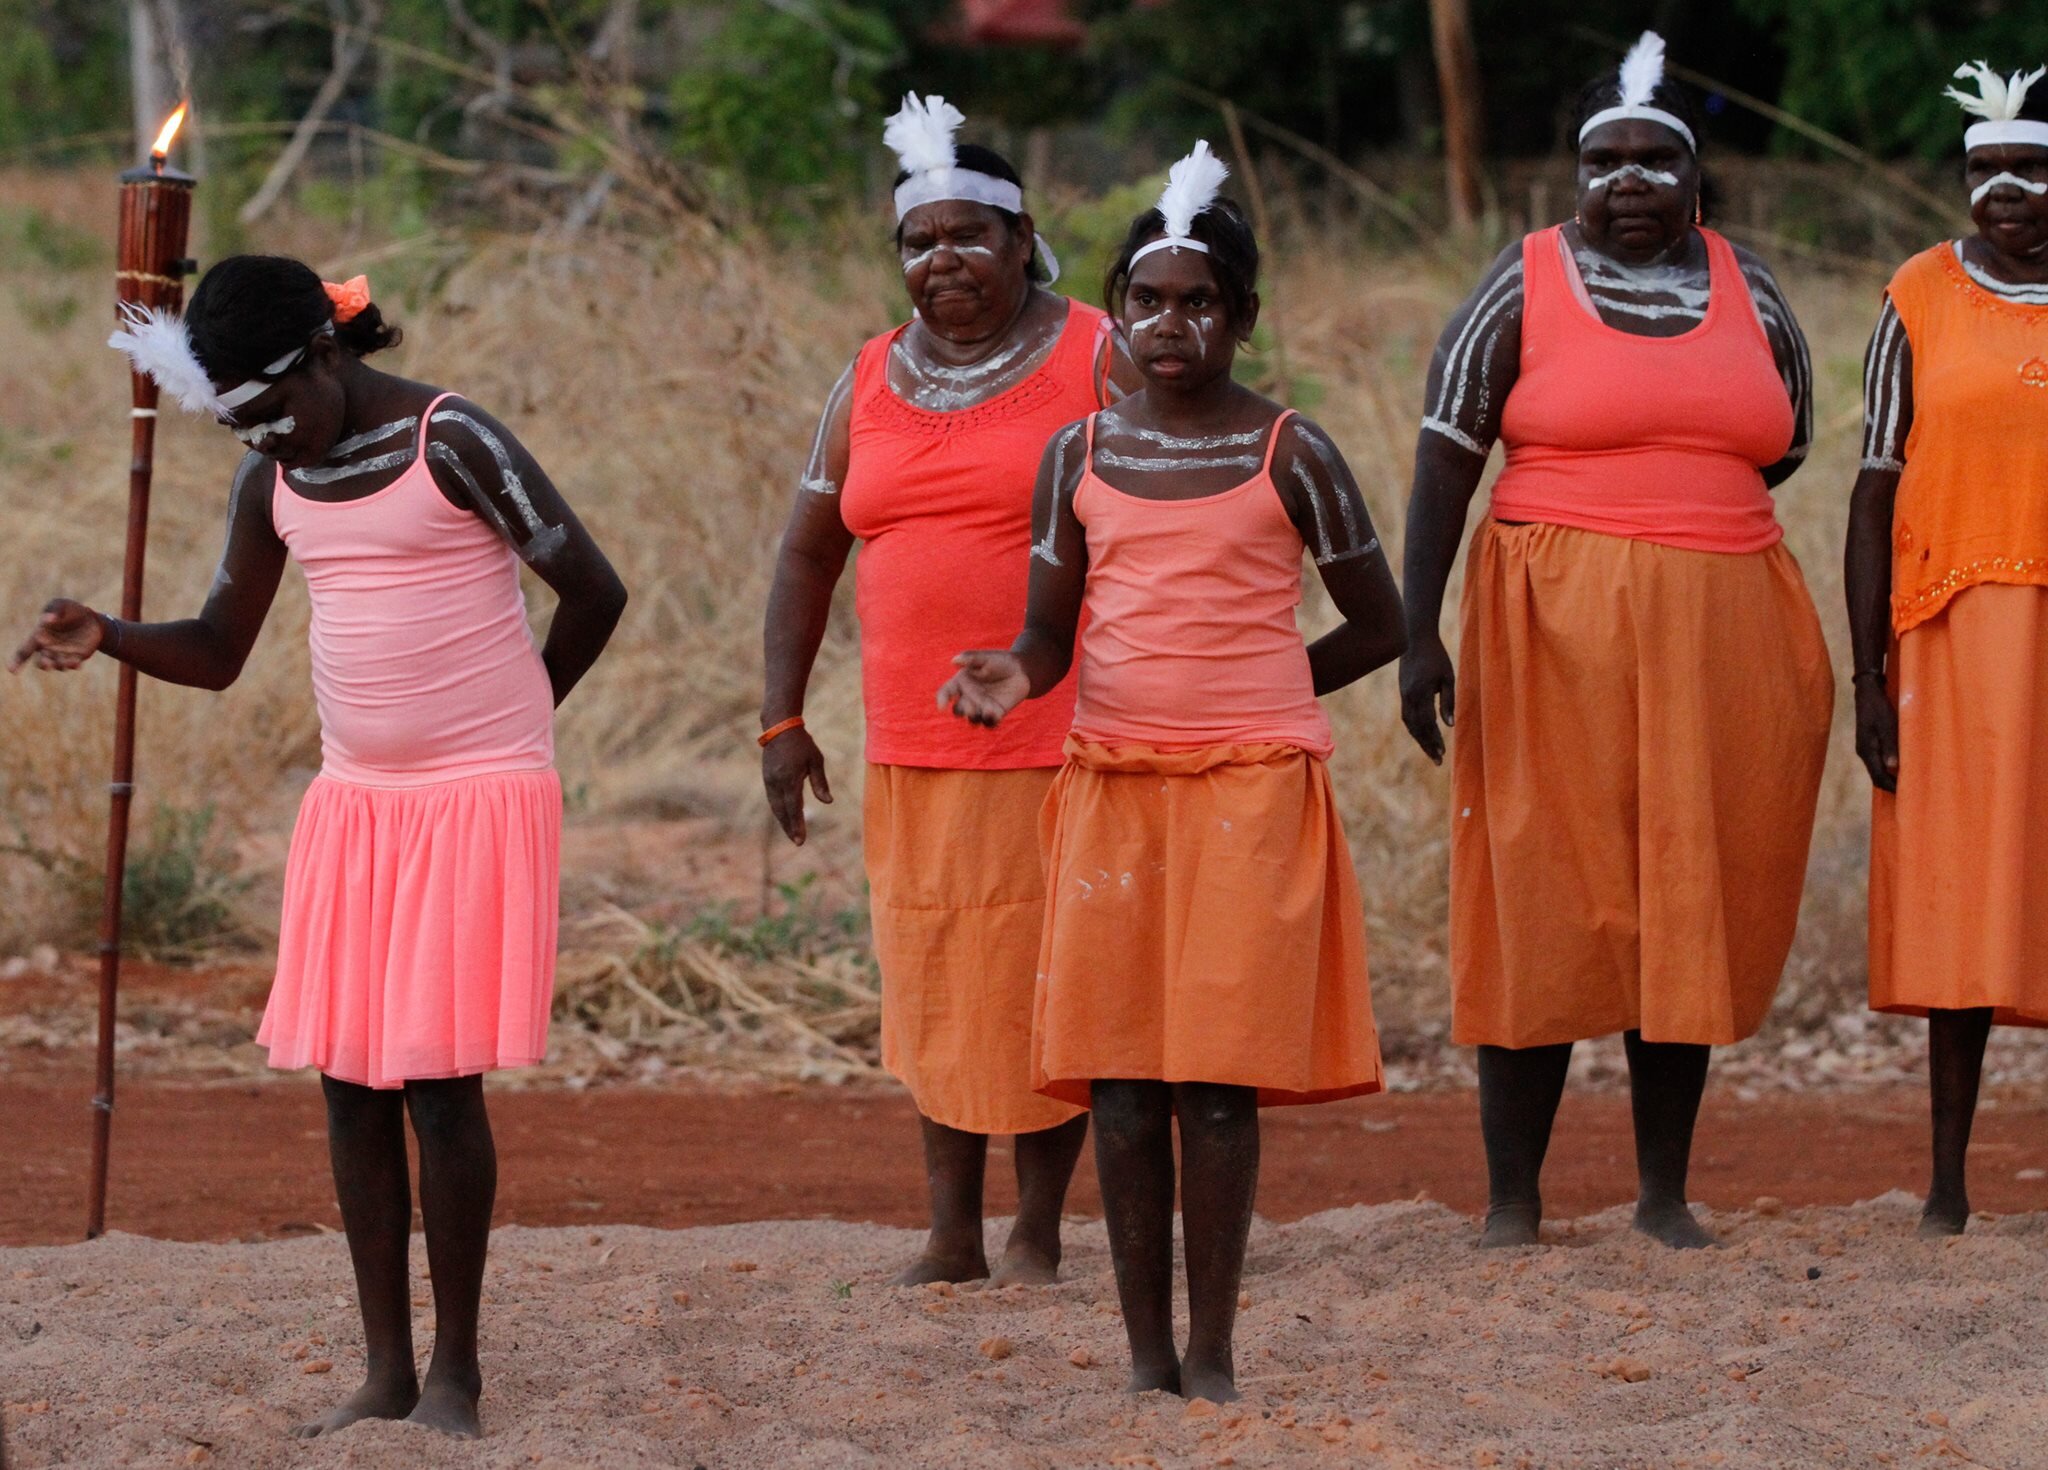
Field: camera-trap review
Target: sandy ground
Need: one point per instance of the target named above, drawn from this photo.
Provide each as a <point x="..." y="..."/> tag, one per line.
<point x="1370" y="1335"/>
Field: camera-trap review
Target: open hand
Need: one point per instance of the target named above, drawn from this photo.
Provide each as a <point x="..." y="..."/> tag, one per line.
<point x="1428" y="682"/>
<point x="787" y="762"/>
<point x="1877" y="734"/>
<point x="990" y="684"/>
<point x="66" y="634"/>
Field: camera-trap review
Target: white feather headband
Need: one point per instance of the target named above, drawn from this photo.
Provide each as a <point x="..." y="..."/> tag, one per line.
<point x="160" y="347"/>
<point x="921" y="135"/>
<point x="1191" y="187"/>
<point x="1999" y="101"/>
<point x="1642" y="73"/>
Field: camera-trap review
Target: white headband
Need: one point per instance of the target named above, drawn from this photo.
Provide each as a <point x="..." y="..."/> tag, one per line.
<point x="957" y="183"/>
<point x="1999" y="101"/>
<point x="2017" y="130"/>
<point x="160" y="347"/>
<point x="1191" y="187"/>
<point x="1642" y="73"/>
<point x="1648" y="114"/>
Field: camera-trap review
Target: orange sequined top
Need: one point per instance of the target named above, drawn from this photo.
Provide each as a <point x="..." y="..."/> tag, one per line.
<point x="1972" y="503"/>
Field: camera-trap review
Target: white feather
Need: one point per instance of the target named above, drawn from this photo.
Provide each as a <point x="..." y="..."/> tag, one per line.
<point x="1998" y="99"/>
<point x="921" y="134"/>
<point x="1191" y="187"/>
<point x="160" y="348"/>
<point x="1642" y="70"/>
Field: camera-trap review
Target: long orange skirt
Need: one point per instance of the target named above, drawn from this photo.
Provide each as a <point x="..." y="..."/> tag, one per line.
<point x="958" y="899"/>
<point x="1202" y="924"/>
<point x="1959" y="857"/>
<point x="1638" y="755"/>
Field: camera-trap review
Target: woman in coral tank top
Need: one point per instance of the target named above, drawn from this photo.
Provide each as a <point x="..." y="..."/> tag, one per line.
<point x="1948" y="608"/>
<point x="926" y="455"/>
<point x="1646" y="694"/>
<point x="417" y="945"/>
<point x="1204" y="947"/>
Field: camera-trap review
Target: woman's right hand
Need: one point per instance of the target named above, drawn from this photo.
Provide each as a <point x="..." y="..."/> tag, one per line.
<point x="66" y="634"/>
<point x="787" y="762"/>
<point x="1877" y="734"/>
<point x="1428" y="682"/>
<point x="990" y="684"/>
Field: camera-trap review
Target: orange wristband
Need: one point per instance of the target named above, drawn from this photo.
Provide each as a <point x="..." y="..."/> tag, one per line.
<point x="794" y="722"/>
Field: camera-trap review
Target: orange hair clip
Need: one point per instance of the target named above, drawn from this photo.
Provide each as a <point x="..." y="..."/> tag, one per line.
<point x="349" y="298"/>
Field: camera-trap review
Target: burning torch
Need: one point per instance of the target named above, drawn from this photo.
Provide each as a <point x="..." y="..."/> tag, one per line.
<point x="150" y="270"/>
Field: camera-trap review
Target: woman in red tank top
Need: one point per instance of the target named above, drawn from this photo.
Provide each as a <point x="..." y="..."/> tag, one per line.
<point x="1204" y="948"/>
<point x="1646" y="696"/>
<point x="925" y="454"/>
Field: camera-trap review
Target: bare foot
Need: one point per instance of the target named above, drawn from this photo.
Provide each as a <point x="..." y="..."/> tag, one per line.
<point x="1203" y="1381"/>
<point x="374" y="1400"/>
<point x="1163" y="1378"/>
<point x="1026" y="1265"/>
<point x="1943" y="1216"/>
<point x="448" y="1408"/>
<point x="942" y="1266"/>
<point x="1673" y="1225"/>
<point x="1512" y="1225"/>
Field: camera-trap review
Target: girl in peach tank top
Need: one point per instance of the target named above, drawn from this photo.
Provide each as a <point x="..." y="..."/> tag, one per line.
<point x="1203" y="952"/>
<point x="417" y="944"/>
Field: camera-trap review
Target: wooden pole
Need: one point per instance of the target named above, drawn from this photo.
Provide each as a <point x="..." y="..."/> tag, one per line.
<point x="1457" y="82"/>
<point x="156" y="213"/>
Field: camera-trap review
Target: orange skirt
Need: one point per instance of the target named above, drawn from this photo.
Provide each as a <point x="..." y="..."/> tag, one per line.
<point x="958" y="900"/>
<point x="1638" y="756"/>
<point x="1959" y="857"/>
<point x="1202" y="924"/>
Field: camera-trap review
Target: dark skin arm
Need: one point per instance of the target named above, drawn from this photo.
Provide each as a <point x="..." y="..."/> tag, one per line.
<point x="206" y="652"/>
<point x="1867" y="579"/>
<point x="514" y="496"/>
<point x="815" y="546"/>
<point x="992" y="682"/>
<point x="1447" y="475"/>
<point x="1356" y="575"/>
<point x="1794" y="361"/>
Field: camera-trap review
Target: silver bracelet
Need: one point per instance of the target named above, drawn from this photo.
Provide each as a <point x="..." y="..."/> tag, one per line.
<point x="110" y="628"/>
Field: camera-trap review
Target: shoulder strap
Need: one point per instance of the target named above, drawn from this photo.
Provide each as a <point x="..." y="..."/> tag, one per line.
<point x="419" y="451"/>
<point x="1273" y="441"/>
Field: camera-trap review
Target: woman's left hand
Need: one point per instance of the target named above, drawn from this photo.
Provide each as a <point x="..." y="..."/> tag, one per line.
<point x="990" y="684"/>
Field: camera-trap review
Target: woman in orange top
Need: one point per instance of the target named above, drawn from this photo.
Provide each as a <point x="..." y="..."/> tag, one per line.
<point x="1647" y="695"/>
<point x="1204" y="948"/>
<point x="926" y="453"/>
<point x="1947" y="562"/>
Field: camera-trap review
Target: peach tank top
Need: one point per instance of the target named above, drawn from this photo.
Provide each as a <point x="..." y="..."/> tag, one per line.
<point x="424" y="669"/>
<point x="1659" y="439"/>
<point x="1190" y="640"/>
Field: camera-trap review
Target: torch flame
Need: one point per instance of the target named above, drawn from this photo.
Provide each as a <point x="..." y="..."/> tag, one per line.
<point x="162" y="145"/>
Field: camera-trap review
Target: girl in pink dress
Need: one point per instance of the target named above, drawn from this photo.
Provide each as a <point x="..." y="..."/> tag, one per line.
<point x="417" y="946"/>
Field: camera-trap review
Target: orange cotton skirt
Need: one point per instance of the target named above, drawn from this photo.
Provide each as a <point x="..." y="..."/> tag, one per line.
<point x="958" y="900"/>
<point x="1639" y="745"/>
<point x="1202" y="924"/>
<point x="1959" y="857"/>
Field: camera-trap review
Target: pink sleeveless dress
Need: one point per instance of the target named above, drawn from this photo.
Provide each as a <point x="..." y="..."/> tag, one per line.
<point x="420" y="894"/>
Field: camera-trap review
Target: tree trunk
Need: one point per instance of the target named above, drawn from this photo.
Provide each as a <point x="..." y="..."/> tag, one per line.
<point x="150" y="87"/>
<point x="1457" y="79"/>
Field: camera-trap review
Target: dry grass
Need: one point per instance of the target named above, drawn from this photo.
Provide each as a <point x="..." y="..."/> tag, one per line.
<point x="672" y="393"/>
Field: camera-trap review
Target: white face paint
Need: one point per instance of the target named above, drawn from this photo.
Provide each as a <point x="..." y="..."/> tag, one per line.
<point x="1635" y="171"/>
<point x="1977" y="194"/>
<point x="924" y="257"/>
<point x="257" y="434"/>
<point x="1146" y="324"/>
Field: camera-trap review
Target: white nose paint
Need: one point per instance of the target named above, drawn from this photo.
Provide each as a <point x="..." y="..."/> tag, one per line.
<point x="1977" y="194"/>
<point x="1146" y="324"/>
<point x="255" y="434"/>
<point x="925" y="258"/>
<point x="1635" y="171"/>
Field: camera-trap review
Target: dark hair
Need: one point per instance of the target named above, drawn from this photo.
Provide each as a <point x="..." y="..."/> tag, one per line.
<point x="250" y="310"/>
<point x="987" y="161"/>
<point x="1233" y="253"/>
<point x="1604" y="91"/>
